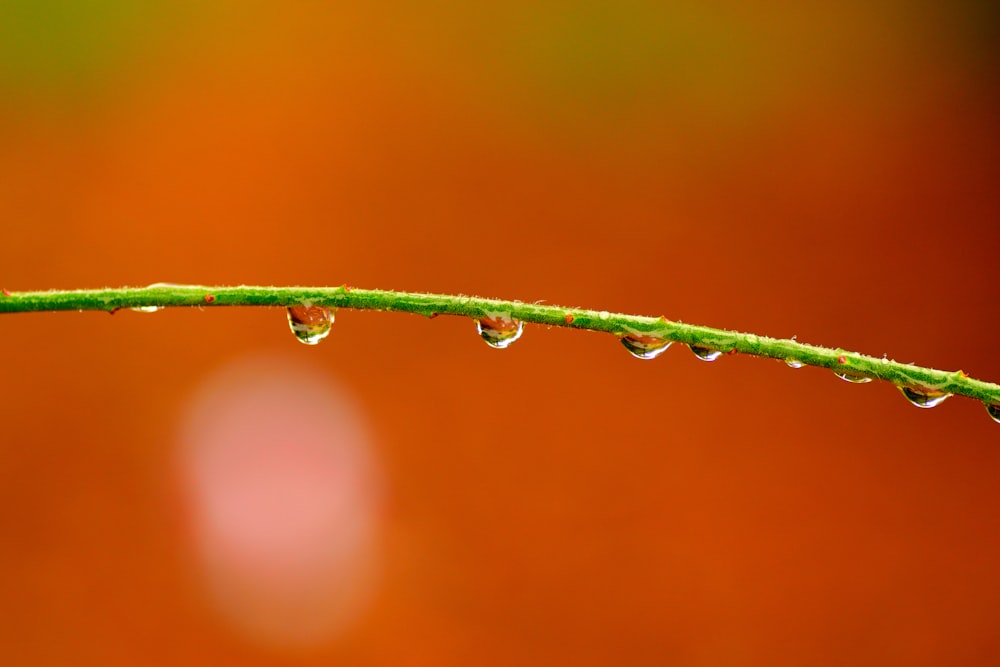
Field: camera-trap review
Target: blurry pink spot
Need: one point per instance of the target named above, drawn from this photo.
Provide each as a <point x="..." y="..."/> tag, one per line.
<point x="277" y="474"/>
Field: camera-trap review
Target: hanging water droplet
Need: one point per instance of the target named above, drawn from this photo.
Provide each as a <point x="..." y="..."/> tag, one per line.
<point x="794" y="363"/>
<point x="499" y="331"/>
<point x="850" y="377"/>
<point x="924" y="398"/>
<point x="993" y="410"/>
<point x="645" y="347"/>
<point x="146" y="309"/>
<point x="310" y="324"/>
<point x="705" y="353"/>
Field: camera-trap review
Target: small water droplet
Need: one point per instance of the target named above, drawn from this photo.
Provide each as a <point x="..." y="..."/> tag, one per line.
<point x="924" y="398"/>
<point x="645" y="347"/>
<point x="993" y="410"/>
<point x="852" y="378"/>
<point x="705" y="353"/>
<point x="146" y="309"/>
<point x="310" y="324"/>
<point x="499" y="331"/>
<point x="604" y="315"/>
<point x="794" y="363"/>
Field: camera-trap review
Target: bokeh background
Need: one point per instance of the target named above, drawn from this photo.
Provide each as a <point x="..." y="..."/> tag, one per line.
<point x="195" y="487"/>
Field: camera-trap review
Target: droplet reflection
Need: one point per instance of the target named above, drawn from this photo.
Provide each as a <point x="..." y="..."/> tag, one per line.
<point x="705" y="353"/>
<point x="499" y="331"/>
<point x="850" y="377"/>
<point x="310" y="324"/>
<point x="993" y="410"/>
<point x="924" y="398"/>
<point x="645" y="347"/>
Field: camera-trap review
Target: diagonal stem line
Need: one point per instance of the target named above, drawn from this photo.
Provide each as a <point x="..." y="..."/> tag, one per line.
<point x="836" y="359"/>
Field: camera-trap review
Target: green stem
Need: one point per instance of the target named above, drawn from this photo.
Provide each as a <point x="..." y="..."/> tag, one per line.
<point x="838" y="360"/>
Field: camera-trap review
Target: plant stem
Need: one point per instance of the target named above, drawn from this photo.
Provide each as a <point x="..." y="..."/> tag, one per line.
<point x="838" y="360"/>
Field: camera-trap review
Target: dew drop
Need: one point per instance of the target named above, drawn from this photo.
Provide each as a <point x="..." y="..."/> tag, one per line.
<point x="310" y="324"/>
<point x="705" y="353"/>
<point x="852" y="378"/>
<point x="794" y="363"/>
<point x="924" y="398"/>
<point x="645" y="347"/>
<point x="146" y="309"/>
<point x="604" y="315"/>
<point x="993" y="410"/>
<point x="499" y="331"/>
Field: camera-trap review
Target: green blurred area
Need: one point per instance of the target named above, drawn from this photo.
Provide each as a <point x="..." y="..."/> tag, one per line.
<point x="72" y="49"/>
<point x="607" y="54"/>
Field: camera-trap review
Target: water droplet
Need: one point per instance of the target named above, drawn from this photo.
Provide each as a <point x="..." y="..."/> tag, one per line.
<point x="499" y="331"/>
<point x="851" y="377"/>
<point x="993" y="410"/>
<point x="146" y="309"/>
<point x="794" y="363"/>
<point x="924" y="398"/>
<point x="604" y="315"/>
<point x="705" y="353"/>
<point x="310" y="324"/>
<point x="645" y="347"/>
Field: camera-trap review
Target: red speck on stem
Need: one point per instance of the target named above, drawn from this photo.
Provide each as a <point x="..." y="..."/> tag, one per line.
<point x="432" y="316"/>
<point x="346" y="288"/>
<point x="569" y="318"/>
<point x="731" y="351"/>
<point x="209" y="298"/>
<point x="5" y="292"/>
<point x="114" y="310"/>
<point x="841" y="359"/>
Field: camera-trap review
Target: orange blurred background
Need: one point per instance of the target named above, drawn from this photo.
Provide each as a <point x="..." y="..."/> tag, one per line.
<point x="825" y="170"/>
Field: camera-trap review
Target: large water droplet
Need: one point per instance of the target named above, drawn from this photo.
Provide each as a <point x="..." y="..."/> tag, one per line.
<point x="310" y="324"/>
<point x="794" y="363"/>
<point x="924" y="398"/>
<point x="499" y="331"/>
<point x="705" y="353"/>
<point x="993" y="410"/>
<point x="852" y="378"/>
<point x="645" y="347"/>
